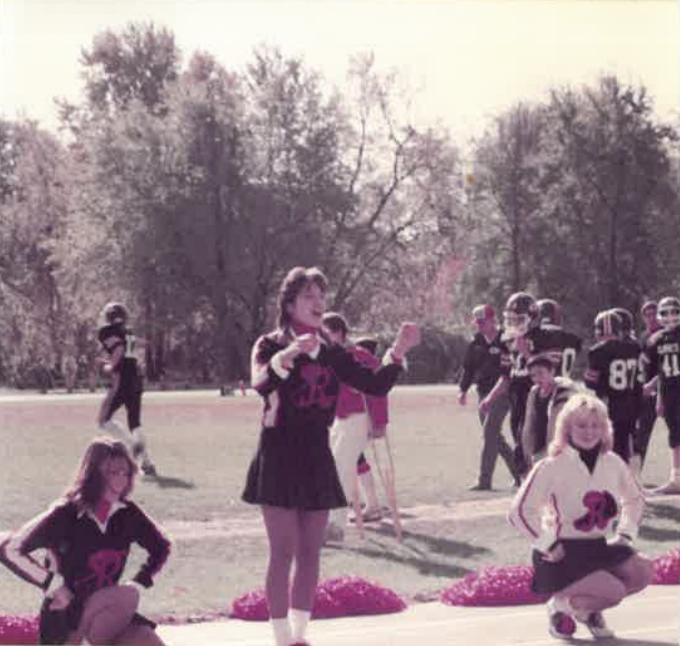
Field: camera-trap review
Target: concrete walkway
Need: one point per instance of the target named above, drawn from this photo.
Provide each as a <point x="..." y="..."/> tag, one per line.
<point x="651" y="618"/>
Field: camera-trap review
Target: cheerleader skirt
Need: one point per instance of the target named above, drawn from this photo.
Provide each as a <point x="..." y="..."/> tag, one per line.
<point x="581" y="558"/>
<point x="54" y="626"/>
<point x="294" y="469"/>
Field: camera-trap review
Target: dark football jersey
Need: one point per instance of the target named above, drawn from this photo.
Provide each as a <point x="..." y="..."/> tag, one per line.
<point x="614" y="373"/>
<point x="663" y="352"/>
<point x="113" y="336"/>
<point x="561" y="346"/>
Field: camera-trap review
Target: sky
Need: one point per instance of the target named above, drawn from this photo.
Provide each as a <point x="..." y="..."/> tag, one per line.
<point x="464" y="60"/>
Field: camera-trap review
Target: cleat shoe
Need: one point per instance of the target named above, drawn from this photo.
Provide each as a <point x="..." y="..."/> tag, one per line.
<point x="598" y="626"/>
<point x="479" y="487"/>
<point x="668" y="489"/>
<point x="148" y="469"/>
<point x="137" y="449"/>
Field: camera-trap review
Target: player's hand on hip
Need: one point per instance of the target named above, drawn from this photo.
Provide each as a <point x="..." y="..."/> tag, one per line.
<point x="61" y="598"/>
<point x="556" y="554"/>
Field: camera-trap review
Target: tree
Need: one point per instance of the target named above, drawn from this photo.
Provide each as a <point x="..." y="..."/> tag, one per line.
<point x="137" y="63"/>
<point x="608" y="186"/>
<point x="32" y="212"/>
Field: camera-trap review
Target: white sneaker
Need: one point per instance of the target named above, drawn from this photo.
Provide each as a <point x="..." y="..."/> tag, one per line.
<point x="561" y="624"/>
<point x="668" y="489"/>
<point x="597" y="626"/>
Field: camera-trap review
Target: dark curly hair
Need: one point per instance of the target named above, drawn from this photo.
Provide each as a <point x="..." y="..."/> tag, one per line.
<point x="295" y="281"/>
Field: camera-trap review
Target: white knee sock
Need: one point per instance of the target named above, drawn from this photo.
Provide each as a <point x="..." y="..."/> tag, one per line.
<point x="299" y="620"/>
<point x="114" y="428"/>
<point x="140" y="440"/>
<point x="282" y="634"/>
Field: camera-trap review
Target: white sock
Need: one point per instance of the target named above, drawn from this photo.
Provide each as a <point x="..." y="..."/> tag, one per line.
<point x="675" y="475"/>
<point x="282" y="634"/>
<point x="299" y="620"/>
<point x="114" y="428"/>
<point x="561" y="604"/>
<point x="140" y="439"/>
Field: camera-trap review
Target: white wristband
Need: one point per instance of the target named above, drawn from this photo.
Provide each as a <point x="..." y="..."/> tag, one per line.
<point x="277" y="366"/>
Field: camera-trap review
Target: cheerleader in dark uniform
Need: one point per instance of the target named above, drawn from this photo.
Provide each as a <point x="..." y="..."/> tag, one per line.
<point x="567" y="507"/>
<point x="87" y="536"/>
<point x="293" y="476"/>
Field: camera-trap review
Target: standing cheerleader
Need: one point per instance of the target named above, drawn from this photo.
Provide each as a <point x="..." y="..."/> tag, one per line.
<point x="292" y="475"/>
<point x="567" y="507"/>
<point x="87" y="536"/>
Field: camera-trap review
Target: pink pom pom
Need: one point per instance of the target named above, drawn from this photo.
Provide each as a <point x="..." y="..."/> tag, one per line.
<point x="341" y="597"/>
<point x="494" y="586"/>
<point x="252" y="606"/>
<point x="18" y="630"/>
<point x="667" y="568"/>
<point x="349" y="596"/>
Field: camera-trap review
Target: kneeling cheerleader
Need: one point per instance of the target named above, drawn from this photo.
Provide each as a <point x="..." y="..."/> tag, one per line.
<point x="581" y="509"/>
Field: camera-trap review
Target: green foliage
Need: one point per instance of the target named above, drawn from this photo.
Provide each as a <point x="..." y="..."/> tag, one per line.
<point x="189" y="192"/>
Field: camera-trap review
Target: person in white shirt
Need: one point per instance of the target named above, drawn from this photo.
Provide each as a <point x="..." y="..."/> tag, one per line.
<point x="581" y="509"/>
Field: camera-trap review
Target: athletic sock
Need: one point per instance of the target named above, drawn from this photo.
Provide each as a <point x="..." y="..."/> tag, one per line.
<point x="282" y="633"/>
<point x="299" y="620"/>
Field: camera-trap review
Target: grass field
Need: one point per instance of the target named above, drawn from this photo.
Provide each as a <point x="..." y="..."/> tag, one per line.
<point x="202" y="444"/>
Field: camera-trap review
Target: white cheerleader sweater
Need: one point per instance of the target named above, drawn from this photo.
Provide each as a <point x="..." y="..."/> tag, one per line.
<point x="562" y="499"/>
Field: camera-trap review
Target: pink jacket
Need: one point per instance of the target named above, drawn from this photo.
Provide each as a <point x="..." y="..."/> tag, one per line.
<point x="351" y="401"/>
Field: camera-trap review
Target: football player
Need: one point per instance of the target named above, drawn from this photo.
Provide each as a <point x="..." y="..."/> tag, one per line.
<point x="614" y="374"/>
<point x="118" y="342"/>
<point x="663" y="353"/>
<point x="647" y="417"/>
<point x="627" y="323"/>
<point x="561" y="346"/>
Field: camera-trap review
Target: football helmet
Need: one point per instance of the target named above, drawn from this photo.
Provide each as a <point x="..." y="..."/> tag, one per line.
<point x="114" y="313"/>
<point x="549" y="312"/>
<point x="608" y="324"/>
<point x="627" y="322"/>
<point x="668" y="312"/>
<point x="520" y="314"/>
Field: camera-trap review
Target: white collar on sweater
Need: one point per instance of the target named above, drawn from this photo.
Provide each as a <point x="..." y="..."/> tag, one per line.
<point x="102" y="526"/>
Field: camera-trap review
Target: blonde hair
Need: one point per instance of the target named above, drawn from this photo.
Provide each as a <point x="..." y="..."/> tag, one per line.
<point x="579" y="404"/>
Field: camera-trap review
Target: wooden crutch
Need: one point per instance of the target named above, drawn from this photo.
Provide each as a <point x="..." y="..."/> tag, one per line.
<point x="387" y="477"/>
<point x="356" y="504"/>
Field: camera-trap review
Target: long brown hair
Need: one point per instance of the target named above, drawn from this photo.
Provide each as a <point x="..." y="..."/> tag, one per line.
<point x="90" y="482"/>
<point x="295" y="281"/>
